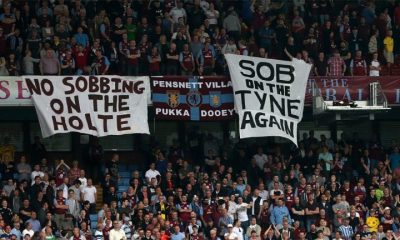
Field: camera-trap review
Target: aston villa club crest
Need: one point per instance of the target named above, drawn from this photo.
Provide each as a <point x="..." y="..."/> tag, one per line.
<point x="173" y="98"/>
<point x="194" y="98"/>
<point x="215" y="99"/>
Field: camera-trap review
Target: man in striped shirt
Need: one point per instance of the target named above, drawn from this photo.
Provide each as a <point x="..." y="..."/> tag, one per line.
<point x="127" y="227"/>
<point x="346" y="230"/>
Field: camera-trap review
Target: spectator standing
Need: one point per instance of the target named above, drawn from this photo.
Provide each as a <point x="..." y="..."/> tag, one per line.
<point x="186" y="60"/>
<point x="375" y="66"/>
<point x="133" y="55"/>
<point x="232" y="24"/>
<point x="154" y="59"/>
<point x="101" y="63"/>
<point x="358" y="65"/>
<point x="279" y="212"/>
<point x="206" y="60"/>
<point x="3" y="67"/>
<point x="117" y="233"/>
<point x="254" y="227"/>
<point x="178" y="12"/>
<point x="49" y="64"/>
<point x="337" y="66"/>
<point x="321" y="65"/>
<point x="388" y="43"/>
<point x="60" y="208"/>
<point x="346" y="230"/>
<point x="373" y="42"/>
<point x="89" y="193"/>
<point x="267" y="36"/>
<point x="172" y="60"/>
<point x="28" y="63"/>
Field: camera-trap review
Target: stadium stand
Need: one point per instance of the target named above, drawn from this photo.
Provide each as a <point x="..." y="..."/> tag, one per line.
<point x="343" y="188"/>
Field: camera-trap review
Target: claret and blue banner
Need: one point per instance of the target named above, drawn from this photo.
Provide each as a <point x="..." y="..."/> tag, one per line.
<point x="192" y="98"/>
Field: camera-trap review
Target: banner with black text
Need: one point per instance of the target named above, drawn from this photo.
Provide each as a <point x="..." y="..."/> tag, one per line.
<point x="95" y="105"/>
<point x="269" y="95"/>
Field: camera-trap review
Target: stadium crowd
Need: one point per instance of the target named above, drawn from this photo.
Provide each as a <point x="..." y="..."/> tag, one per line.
<point x="171" y="37"/>
<point x="322" y="190"/>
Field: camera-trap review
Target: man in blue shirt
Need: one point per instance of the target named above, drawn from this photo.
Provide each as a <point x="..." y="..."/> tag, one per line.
<point x="178" y="235"/>
<point x="34" y="222"/>
<point x="280" y="212"/>
<point x="17" y="230"/>
<point x="266" y="36"/>
<point x="395" y="159"/>
<point x="82" y="38"/>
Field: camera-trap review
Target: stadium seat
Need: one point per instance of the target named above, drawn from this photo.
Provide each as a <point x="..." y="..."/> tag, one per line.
<point x="124" y="182"/>
<point x="93" y="224"/>
<point x="93" y="217"/>
<point x="395" y="69"/>
<point x="132" y="167"/>
<point x="385" y="71"/>
<point x="123" y="167"/>
<point x="124" y="174"/>
<point x="122" y="189"/>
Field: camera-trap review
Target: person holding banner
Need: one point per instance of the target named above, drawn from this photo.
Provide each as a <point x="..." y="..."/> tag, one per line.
<point x="187" y="61"/>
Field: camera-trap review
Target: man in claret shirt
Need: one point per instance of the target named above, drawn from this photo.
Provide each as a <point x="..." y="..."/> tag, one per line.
<point x="358" y="65"/>
<point x="206" y="60"/>
<point x="187" y="61"/>
<point x="81" y="56"/>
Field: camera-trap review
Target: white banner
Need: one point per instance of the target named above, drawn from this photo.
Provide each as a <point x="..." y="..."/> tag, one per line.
<point x="95" y="105"/>
<point x="269" y="95"/>
<point x="13" y="92"/>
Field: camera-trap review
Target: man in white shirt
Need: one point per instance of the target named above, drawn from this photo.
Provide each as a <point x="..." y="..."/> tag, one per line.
<point x="242" y="211"/>
<point x="230" y="235"/>
<point x="260" y="158"/>
<point x="263" y="193"/>
<point x="117" y="233"/>
<point x="28" y="230"/>
<point x="178" y="12"/>
<point x="257" y="203"/>
<point x="151" y="173"/>
<point x="89" y="193"/>
<point x="36" y="172"/>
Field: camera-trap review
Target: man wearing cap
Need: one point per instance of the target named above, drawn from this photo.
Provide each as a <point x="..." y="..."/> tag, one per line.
<point x="387" y="219"/>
